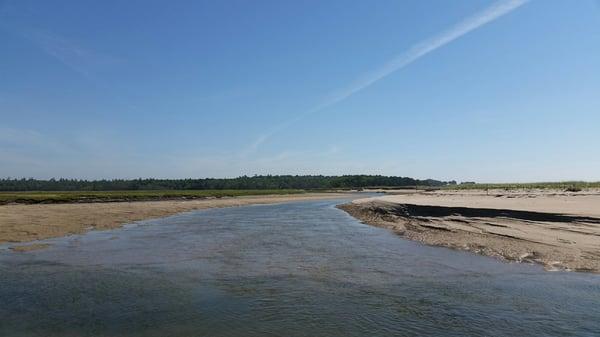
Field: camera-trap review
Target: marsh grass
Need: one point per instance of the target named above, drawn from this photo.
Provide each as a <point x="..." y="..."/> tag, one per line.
<point x="113" y="196"/>
<point x="570" y="186"/>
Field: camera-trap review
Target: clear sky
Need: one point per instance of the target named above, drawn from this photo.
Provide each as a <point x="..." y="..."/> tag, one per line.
<point x="468" y="90"/>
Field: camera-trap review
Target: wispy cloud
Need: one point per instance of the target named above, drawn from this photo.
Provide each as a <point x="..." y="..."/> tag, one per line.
<point x="288" y="161"/>
<point x="90" y="153"/>
<point x="402" y="60"/>
<point x="25" y="150"/>
<point x="26" y="138"/>
<point x="79" y="59"/>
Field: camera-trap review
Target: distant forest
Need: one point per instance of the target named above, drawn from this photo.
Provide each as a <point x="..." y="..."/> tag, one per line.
<point x="240" y="183"/>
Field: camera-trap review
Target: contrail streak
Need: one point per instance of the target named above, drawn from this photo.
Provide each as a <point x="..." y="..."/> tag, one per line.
<point x="402" y="60"/>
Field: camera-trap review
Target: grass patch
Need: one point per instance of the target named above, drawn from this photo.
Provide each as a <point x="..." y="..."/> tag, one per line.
<point x="113" y="196"/>
<point x="571" y="186"/>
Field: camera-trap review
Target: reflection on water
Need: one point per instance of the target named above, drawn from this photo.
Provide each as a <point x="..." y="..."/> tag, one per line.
<point x="296" y="269"/>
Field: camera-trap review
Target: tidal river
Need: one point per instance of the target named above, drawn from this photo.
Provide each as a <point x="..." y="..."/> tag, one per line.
<point x="293" y="269"/>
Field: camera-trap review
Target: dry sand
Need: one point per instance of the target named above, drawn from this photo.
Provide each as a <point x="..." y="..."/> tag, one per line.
<point x="22" y="223"/>
<point x="557" y="229"/>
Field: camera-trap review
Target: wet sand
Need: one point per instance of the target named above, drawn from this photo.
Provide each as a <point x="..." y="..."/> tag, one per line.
<point x="557" y="229"/>
<point x="23" y="223"/>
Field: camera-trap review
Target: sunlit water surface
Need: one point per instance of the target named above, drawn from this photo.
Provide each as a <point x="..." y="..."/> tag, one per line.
<point x="294" y="269"/>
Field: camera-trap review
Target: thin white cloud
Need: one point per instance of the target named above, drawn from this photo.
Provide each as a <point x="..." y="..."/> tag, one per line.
<point x="402" y="60"/>
<point x="89" y="153"/>
<point x="81" y="60"/>
<point x="26" y="138"/>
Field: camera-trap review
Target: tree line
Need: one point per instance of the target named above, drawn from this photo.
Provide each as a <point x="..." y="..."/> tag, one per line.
<point x="239" y="183"/>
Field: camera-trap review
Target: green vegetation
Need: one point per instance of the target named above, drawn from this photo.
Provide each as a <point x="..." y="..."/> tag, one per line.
<point x="107" y="196"/>
<point x="74" y="190"/>
<point x="240" y="183"/>
<point x="572" y="186"/>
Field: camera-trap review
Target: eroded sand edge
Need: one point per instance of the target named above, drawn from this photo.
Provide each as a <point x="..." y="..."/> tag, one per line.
<point x="558" y="230"/>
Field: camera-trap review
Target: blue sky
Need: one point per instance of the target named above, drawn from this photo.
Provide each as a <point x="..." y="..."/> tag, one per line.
<point x="489" y="91"/>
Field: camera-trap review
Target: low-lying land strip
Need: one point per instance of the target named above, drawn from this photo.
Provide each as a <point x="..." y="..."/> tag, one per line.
<point x="560" y="185"/>
<point x="29" y="222"/>
<point x="55" y="197"/>
<point x="560" y="230"/>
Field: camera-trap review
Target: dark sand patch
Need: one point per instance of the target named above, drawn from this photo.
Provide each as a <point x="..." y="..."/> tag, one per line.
<point x="557" y="241"/>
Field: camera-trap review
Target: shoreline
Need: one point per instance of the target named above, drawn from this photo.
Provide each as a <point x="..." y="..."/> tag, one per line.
<point x="559" y="231"/>
<point x="25" y="223"/>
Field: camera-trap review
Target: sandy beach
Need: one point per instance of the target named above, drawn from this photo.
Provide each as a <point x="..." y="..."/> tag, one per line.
<point x="560" y="230"/>
<point x="23" y="223"/>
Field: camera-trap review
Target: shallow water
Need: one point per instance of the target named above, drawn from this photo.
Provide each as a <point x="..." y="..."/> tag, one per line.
<point x="294" y="269"/>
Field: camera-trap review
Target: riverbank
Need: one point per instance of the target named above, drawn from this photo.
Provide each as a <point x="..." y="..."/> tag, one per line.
<point x="560" y="230"/>
<point x="64" y="197"/>
<point x="29" y="222"/>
